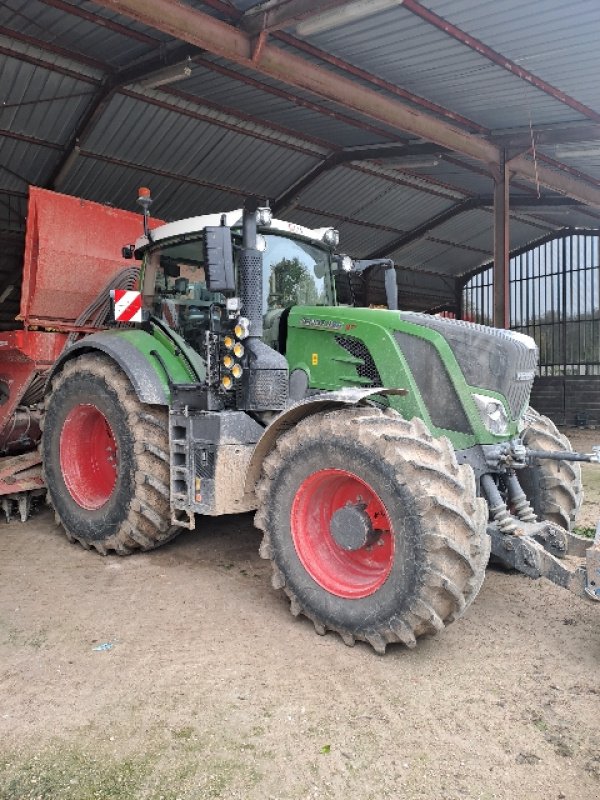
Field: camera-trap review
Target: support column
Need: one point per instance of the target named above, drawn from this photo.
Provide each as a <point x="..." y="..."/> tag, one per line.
<point x="458" y="299"/>
<point x="501" y="244"/>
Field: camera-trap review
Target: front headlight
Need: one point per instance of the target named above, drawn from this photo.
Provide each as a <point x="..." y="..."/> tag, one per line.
<point x="493" y="414"/>
<point x="264" y="217"/>
<point x="331" y="237"/>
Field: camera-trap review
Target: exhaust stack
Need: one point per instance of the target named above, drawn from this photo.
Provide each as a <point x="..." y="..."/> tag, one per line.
<point x="264" y="384"/>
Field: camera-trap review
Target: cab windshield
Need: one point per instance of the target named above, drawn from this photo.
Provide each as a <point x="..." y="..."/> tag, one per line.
<point x="295" y="273"/>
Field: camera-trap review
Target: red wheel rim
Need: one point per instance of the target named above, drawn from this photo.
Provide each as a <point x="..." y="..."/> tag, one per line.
<point x="88" y="456"/>
<point x="349" y="574"/>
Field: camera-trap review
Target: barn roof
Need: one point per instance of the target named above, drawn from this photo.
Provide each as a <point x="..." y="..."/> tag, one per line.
<point x="384" y="118"/>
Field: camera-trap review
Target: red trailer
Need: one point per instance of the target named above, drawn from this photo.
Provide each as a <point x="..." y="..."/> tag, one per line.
<point x="72" y="259"/>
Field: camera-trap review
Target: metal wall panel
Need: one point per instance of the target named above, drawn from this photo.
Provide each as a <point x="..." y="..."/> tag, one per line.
<point x="573" y="400"/>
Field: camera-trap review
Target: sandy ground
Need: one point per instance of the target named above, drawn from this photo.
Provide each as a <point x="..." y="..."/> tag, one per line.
<point x="211" y="689"/>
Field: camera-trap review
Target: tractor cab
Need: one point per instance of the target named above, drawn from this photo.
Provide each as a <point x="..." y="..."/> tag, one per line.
<point x="178" y="280"/>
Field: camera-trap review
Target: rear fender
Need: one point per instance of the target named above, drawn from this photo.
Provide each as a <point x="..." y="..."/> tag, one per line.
<point x="327" y="401"/>
<point x="135" y="356"/>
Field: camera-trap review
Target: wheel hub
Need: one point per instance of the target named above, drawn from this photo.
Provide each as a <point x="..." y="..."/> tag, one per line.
<point x="351" y="527"/>
<point x="342" y="533"/>
<point x="88" y="456"/>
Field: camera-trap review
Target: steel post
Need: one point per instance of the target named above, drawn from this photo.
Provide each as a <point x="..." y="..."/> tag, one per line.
<point x="501" y="244"/>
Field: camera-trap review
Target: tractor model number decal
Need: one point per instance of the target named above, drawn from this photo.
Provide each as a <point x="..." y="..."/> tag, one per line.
<point x="128" y="305"/>
<point x="331" y="324"/>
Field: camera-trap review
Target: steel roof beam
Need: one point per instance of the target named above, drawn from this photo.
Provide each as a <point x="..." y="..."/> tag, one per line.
<point x="497" y="58"/>
<point x="301" y="102"/>
<point x="220" y="38"/>
<point x="226" y="41"/>
<point x="548" y="135"/>
<point x="47" y="65"/>
<point x="469" y="204"/>
<point x="51" y="47"/>
<point x="350" y="154"/>
<point x="345" y="66"/>
<point x="532" y="201"/>
<point x="381" y="83"/>
<point x="34" y="140"/>
<point x="275" y="14"/>
<point x="422" y="230"/>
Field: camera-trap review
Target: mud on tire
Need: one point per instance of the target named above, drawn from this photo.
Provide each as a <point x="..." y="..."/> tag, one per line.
<point x="553" y="488"/>
<point x="92" y="403"/>
<point x="438" y="526"/>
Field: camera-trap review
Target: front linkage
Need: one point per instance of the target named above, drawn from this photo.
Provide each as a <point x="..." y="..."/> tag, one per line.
<point x="520" y="541"/>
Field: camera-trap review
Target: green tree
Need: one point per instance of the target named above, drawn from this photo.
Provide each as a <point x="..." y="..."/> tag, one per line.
<point x="291" y="283"/>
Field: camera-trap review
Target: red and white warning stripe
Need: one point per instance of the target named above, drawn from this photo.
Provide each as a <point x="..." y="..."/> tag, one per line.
<point x="128" y="305"/>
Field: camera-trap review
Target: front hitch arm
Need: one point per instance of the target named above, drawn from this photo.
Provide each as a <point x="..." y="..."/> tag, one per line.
<point x="565" y="455"/>
<point x="533" y="549"/>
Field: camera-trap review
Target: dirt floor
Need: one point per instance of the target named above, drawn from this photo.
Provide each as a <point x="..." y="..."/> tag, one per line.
<point x="182" y="674"/>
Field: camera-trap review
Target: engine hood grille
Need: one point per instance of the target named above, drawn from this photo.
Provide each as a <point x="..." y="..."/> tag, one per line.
<point x="490" y="358"/>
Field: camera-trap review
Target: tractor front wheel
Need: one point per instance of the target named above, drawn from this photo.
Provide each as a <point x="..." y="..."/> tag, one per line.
<point x="553" y="488"/>
<point x="106" y="460"/>
<point x="373" y="529"/>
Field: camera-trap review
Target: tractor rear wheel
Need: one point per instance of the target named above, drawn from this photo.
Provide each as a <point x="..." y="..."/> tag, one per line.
<point x="106" y="460"/>
<point x="373" y="529"/>
<point x="553" y="488"/>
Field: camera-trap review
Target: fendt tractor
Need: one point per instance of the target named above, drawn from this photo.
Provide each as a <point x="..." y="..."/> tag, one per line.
<point x="384" y="452"/>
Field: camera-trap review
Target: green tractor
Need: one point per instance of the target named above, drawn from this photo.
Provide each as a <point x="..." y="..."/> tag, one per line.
<point x="384" y="452"/>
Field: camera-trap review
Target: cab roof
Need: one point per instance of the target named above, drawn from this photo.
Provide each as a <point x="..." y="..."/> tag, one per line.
<point x="232" y="219"/>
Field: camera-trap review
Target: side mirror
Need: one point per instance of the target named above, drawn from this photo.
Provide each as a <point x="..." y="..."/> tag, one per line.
<point x="220" y="275"/>
<point x="390" y="279"/>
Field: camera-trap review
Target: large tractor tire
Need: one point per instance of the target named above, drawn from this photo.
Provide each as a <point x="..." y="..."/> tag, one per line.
<point x="553" y="488"/>
<point x="106" y="460"/>
<point x="372" y="528"/>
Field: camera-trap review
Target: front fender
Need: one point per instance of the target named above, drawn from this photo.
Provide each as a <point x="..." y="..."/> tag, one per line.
<point x="326" y="401"/>
<point x="132" y="351"/>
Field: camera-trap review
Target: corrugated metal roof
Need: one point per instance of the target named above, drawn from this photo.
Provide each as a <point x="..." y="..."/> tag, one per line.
<point x="288" y="110"/>
<point x="12" y="212"/>
<point x="360" y="240"/>
<point x="466" y="174"/>
<point x="90" y="37"/>
<point x="40" y="102"/>
<point x="135" y="132"/>
<point x="459" y="246"/>
<point x="205" y="142"/>
<point x="118" y="186"/>
<point x="419" y="57"/>
<point x="353" y="193"/>
<point x="435" y="257"/>
<point x="554" y="39"/>
<point x="474" y="229"/>
<point x="235" y="95"/>
<point x="23" y="164"/>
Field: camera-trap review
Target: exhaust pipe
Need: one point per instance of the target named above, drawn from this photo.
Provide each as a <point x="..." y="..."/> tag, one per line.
<point x="264" y="384"/>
